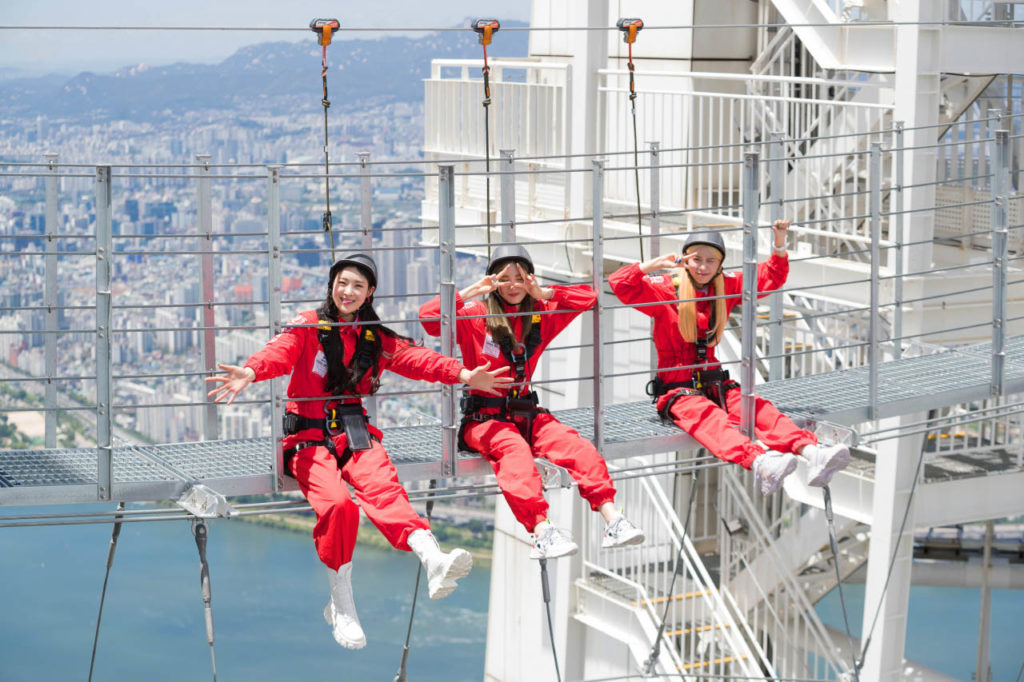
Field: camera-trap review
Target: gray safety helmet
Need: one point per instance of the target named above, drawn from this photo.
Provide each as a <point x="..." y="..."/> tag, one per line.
<point x="361" y="261"/>
<point x="705" y="238"/>
<point x="509" y="252"/>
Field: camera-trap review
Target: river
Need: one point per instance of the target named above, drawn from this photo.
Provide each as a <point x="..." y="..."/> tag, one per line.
<point x="269" y="590"/>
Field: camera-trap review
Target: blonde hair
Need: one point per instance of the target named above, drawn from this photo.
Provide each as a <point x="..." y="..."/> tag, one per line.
<point x="688" y="308"/>
<point x="499" y="327"/>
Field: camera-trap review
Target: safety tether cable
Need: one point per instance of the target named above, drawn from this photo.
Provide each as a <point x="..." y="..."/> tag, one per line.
<point x="400" y="676"/>
<point x="892" y="562"/>
<point x="834" y="544"/>
<point x="485" y="29"/>
<point x="629" y="28"/>
<point x="652" y="658"/>
<point x="201" y="532"/>
<point x="547" y="607"/>
<point x="324" y="28"/>
<point x="114" y="534"/>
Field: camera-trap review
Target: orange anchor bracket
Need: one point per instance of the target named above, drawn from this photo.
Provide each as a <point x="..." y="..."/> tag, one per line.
<point x="485" y="29"/>
<point x="324" y="29"/>
<point x="630" y="28"/>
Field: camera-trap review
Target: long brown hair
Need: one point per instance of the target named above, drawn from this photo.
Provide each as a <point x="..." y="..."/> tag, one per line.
<point x="339" y="379"/>
<point x="499" y="327"/>
<point x="688" y="308"/>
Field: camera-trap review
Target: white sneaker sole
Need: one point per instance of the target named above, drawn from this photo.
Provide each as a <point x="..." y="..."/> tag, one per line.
<point x="635" y="538"/>
<point x="343" y="641"/>
<point x="840" y="458"/>
<point x="790" y="468"/>
<point x="567" y="549"/>
<point x="459" y="566"/>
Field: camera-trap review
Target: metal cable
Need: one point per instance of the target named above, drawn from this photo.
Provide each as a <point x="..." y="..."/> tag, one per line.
<point x="834" y="544"/>
<point x="652" y="658"/>
<point x="115" y="533"/>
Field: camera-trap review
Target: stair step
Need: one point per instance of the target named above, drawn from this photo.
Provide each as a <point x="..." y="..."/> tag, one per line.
<point x="674" y="597"/>
<point x="716" y="661"/>
<point x="699" y="628"/>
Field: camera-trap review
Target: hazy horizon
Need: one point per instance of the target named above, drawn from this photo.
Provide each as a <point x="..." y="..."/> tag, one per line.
<point x="36" y="52"/>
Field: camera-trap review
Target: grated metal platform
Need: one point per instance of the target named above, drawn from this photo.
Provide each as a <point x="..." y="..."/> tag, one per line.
<point x="162" y="472"/>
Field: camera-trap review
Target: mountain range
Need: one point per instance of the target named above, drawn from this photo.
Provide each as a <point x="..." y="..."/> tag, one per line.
<point x="272" y="76"/>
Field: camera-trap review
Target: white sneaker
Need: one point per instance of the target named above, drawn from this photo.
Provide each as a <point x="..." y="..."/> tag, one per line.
<point x="550" y="542"/>
<point x="771" y="468"/>
<point x="443" y="569"/>
<point x="340" y="612"/>
<point x="824" y="461"/>
<point x="621" y="532"/>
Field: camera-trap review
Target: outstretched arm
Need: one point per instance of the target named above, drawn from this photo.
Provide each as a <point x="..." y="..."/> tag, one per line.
<point x="232" y="382"/>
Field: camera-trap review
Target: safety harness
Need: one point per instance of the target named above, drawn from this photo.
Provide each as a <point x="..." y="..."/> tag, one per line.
<point x="713" y="384"/>
<point x="340" y="416"/>
<point x="518" y="407"/>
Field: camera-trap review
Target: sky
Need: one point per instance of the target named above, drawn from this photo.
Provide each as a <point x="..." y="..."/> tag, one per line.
<point x="38" y="51"/>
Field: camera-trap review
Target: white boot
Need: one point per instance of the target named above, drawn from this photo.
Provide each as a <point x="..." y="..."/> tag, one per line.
<point x="824" y="461"/>
<point x="340" y="612"/>
<point x="443" y="569"/>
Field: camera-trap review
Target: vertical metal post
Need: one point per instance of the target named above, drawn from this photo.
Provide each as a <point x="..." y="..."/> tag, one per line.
<point x="655" y="207"/>
<point x="446" y="240"/>
<point x="983" y="667"/>
<point x="508" y="195"/>
<point x="751" y="205"/>
<point x="204" y="210"/>
<point x="366" y="224"/>
<point x="104" y="389"/>
<point x="1000" y="190"/>
<point x="50" y="301"/>
<point x="896" y="226"/>
<point x="777" y="211"/>
<point x="597" y="281"/>
<point x="274" y="310"/>
<point x="875" y="182"/>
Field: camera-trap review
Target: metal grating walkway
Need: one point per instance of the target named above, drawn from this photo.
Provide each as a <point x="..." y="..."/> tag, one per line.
<point x="161" y="472"/>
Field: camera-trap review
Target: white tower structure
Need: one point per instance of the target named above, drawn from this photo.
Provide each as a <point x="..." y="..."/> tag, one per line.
<point x="812" y="86"/>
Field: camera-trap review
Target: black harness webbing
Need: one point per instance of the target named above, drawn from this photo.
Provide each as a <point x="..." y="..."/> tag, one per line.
<point x="518" y="407"/>
<point x="346" y="415"/>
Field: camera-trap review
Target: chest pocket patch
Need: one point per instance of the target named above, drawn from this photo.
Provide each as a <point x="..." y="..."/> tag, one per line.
<point x="490" y="348"/>
<point x="320" y="364"/>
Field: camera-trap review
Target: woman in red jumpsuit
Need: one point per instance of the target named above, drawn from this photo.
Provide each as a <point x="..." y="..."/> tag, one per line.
<point x="511" y="430"/>
<point x="329" y="441"/>
<point x="702" y="401"/>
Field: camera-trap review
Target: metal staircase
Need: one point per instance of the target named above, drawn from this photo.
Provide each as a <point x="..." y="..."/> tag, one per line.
<point x="625" y="593"/>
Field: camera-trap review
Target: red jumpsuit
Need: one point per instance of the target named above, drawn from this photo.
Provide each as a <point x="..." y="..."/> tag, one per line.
<point x="500" y="442"/>
<point x="370" y="472"/>
<point x="697" y="415"/>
